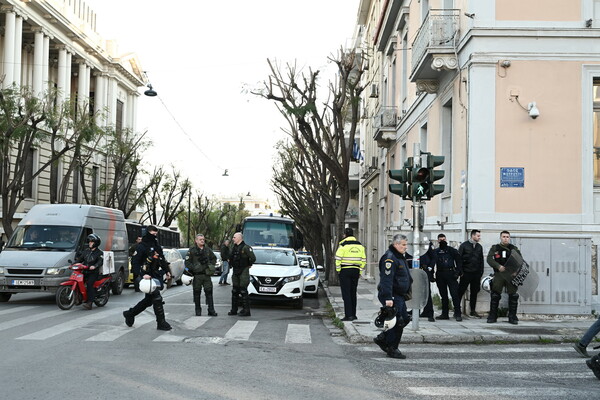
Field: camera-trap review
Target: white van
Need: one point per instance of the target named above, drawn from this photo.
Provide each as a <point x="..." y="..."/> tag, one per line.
<point x="36" y="257"/>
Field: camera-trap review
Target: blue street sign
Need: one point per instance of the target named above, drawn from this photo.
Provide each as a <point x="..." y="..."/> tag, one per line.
<point x="512" y="177"/>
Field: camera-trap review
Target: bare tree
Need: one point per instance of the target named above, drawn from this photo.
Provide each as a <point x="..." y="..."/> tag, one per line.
<point x="327" y="128"/>
<point x="164" y="198"/>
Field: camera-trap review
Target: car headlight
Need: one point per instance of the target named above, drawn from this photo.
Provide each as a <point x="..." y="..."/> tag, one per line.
<point x="55" y="271"/>
<point x="1" y="270"/>
<point x="310" y="277"/>
<point x="292" y="278"/>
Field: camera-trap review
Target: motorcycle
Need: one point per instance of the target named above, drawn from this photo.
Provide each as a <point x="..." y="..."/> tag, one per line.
<point x="73" y="292"/>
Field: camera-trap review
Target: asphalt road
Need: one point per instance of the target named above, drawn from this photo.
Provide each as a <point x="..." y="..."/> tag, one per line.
<point x="277" y="353"/>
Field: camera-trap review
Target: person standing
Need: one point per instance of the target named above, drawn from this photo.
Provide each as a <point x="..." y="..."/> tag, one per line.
<point x="148" y="262"/>
<point x="200" y="261"/>
<point x="394" y="284"/>
<point x="242" y="257"/>
<point x="428" y="267"/>
<point x="93" y="258"/>
<point x="497" y="258"/>
<point x="350" y="260"/>
<point x="471" y="254"/>
<point x="132" y="249"/>
<point x="225" y="254"/>
<point x="447" y="270"/>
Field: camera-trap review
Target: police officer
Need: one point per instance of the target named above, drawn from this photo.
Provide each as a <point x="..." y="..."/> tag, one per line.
<point x="241" y="259"/>
<point x="200" y="261"/>
<point x="148" y="262"/>
<point x="497" y="258"/>
<point x="427" y="266"/>
<point x="448" y="268"/>
<point x="93" y="258"/>
<point x="394" y="283"/>
<point x="471" y="254"/>
<point x="350" y="260"/>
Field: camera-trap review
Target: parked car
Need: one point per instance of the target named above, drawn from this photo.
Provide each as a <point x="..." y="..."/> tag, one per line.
<point x="219" y="266"/>
<point x="183" y="251"/>
<point x="276" y="275"/>
<point x="311" y="273"/>
<point x="173" y="257"/>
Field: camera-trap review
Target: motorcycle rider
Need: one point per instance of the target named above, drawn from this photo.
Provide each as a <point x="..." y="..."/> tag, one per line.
<point x="147" y="262"/>
<point x="200" y="261"/>
<point x="93" y="258"/>
<point x="241" y="259"/>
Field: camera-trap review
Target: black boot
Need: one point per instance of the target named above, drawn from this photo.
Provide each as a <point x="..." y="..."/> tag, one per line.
<point x="132" y="312"/>
<point x="197" y="294"/>
<point x="245" y="304"/>
<point x="234" y="303"/>
<point x="210" y="303"/>
<point x="393" y="351"/>
<point x="513" y="303"/>
<point x="159" y="312"/>
<point x="494" y="303"/>
<point x="379" y="340"/>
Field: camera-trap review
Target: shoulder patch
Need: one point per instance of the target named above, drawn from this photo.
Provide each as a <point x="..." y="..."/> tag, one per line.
<point x="388" y="265"/>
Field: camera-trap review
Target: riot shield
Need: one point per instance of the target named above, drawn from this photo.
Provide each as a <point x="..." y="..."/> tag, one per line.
<point x="529" y="286"/>
<point x="514" y="263"/>
<point x="525" y="278"/>
<point x="420" y="289"/>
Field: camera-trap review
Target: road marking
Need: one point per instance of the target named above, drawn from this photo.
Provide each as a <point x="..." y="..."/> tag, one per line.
<point x="169" y="337"/>
<point x="241" y="330"/>
<point x="118" y="331"/>
<point x="298" y="333"/>
<point x="29" y="318"/>
<point x="525" y="375"/>
<point x="486" y="361"/>
<point x="485" y="391"/>
<point x="195" y="322"/>
<point x="69" y="325"/>
<point x="454" y="350"/>
<point x="16" y="309"/>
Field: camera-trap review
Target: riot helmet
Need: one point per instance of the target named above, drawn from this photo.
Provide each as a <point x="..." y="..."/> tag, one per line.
<point x="92" y="237"/>
<point x="386" y="318"/>
<point x="486" y="283"/>
<point x="186" y="279"/>
<point x="148" y="285"/>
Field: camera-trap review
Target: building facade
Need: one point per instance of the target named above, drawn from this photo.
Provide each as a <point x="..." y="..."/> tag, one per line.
<point x="53" y="45"/>
<point x="507" y="91"/>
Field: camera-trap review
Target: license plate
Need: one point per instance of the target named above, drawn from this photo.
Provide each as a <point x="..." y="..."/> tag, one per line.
<point x="267" y="289"/>
<point x="23" y="282"/>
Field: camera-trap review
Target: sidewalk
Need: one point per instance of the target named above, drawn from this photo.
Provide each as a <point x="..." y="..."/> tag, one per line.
<point x="531" y="328"/>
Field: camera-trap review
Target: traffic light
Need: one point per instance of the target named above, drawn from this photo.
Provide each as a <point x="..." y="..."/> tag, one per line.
<point x="434" y="175"/>
<point x="419" y="182"/>
<point x="403" y="176"/>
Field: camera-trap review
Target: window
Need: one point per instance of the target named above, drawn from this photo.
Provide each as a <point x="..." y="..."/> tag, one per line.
<point x="28" y="176"/>
<point x="119" y="117"/>
<point x="76" y="185"/>
<point x="95" y="179"/>
<point x="596" y="94"/>
<point x="447" y="144"/>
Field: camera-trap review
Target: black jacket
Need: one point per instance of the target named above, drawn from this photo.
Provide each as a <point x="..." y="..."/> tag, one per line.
<point x="91" y="257"/>
<point x="394" y="276"/>
<point x="472" y="257"/>
<point x="143" y="258"/>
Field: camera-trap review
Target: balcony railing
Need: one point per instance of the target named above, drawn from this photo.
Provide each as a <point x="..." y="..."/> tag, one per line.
<point x="439" y="30"/>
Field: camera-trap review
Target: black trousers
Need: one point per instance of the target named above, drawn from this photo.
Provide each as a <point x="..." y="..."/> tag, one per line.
<point x="90" y="278"/>
<point x="471" y="280"/>
<point x="348" y="284"/>
<point x="447" y="282"/>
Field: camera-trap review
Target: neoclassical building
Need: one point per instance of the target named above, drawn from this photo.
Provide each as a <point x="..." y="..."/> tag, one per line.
<point x="53" y="44"/>
<point x="507" y="91"/>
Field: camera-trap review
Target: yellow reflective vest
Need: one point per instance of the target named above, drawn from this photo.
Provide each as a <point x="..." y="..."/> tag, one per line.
<point x="350" y="254"/>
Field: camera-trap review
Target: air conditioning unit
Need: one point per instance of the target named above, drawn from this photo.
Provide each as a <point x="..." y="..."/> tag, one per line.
<point x="374" y="91"/>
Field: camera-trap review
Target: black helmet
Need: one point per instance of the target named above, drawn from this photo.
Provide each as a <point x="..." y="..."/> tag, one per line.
<point x="386" y="319"/>
<point x="94" y="238"/>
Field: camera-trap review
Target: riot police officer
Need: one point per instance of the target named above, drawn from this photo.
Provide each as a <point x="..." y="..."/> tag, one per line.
<point x="497" y="258"/>
<point x="148" y="262"/>
<point x="448" y="268"/>
<point x="93" y="258"/>
<point x="200" y="261"/>
<point x="241" y="259"/>
<point x="394" y="284"/>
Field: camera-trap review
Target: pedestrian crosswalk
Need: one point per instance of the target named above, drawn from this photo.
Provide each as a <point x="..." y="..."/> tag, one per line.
<point x="35" y="323"/>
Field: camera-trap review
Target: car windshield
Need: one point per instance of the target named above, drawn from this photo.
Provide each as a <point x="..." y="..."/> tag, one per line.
<point x="306" y="262"/>
<point x="32" y="237"/>
<point x="284" y="257"/>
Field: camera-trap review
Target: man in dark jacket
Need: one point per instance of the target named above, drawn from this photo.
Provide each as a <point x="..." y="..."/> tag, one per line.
<point x="200" y="262"/>
<point x="93" y="258"/>
<point x="242" y="257"/>
<point x="148" y="262"/>
<point x="447" y="270"/>
<point x="225" y="254"/>
<point x="471" y="254"/>
<point x="394" y="284"/>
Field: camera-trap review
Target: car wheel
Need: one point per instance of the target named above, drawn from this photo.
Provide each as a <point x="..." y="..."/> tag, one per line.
<point x="299" y="304"/>
<point x="4" y="297"/>
<point x="119" y="283"/>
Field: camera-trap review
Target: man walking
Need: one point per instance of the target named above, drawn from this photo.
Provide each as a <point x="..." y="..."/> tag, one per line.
<point x="471" y="254"/>
<point x="350" y="260"/>
<point x="225" y="253"/>
<point x="200" y="261"/>
<point x="448" y="269"/>
<point x="497" y="258"/>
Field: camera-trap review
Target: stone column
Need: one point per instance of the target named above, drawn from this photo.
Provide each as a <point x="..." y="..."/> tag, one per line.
<point x="8" y="61"/>
<point x="81" y="94"/>
<point x="18" y="49"/>
<point x="99" y="98"/>
<point x="45" y="65"/>
<point x="61" y="80"/>
<point x="38" y="61"/>
<point x="68" y="73"/>
<point x="133" y="108"/>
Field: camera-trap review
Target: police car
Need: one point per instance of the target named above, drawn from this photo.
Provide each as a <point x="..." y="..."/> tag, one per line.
<point x="276" y="275"/>
<point x="311" y="273"/>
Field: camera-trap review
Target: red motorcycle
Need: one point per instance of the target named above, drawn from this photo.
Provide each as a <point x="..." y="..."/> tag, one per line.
<point x="73" y="292"/>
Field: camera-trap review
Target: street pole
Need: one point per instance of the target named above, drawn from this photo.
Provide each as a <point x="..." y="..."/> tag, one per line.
<point x="189" y="216"/>
<point x="416" y="232"/>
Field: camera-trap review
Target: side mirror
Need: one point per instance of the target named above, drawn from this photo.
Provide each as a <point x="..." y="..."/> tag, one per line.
<point x="320" y="268"/>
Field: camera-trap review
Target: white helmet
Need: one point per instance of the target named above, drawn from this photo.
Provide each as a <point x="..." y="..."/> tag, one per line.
<point x="186" y="279"/>
<point x="486" y="283"/>
<point x="149" y="285"/>
<point x="386" y="318"/>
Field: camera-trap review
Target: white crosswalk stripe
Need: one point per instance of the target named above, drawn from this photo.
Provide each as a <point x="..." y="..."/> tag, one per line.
<point x="241" y="330"/>
<point x="507" y="374"/>
<point x="28" y="319"/>
<point x="16" y="309"/>
<point x="463" y="361"/>
<point x="297" y="333"/>
<point x="195" y="322"/>
<point x="498" y="392"/>
<point x="118" y="331"/>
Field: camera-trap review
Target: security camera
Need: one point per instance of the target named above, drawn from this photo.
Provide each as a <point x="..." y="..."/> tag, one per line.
<point x="533" y="110"/>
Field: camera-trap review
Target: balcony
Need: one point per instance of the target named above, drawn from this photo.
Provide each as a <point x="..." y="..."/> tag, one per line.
<point x="384" y="125"/>
<point x="434" y="49"/>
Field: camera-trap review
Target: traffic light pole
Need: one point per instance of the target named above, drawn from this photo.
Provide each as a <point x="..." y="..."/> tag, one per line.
<point x="416" y="232"/>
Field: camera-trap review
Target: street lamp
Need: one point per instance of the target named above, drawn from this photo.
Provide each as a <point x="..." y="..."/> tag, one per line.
<point x="150" y="92"/>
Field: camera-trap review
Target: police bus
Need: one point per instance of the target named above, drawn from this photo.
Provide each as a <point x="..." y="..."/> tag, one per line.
<point x="270" y="230"/>
<point x="168" y="238"/>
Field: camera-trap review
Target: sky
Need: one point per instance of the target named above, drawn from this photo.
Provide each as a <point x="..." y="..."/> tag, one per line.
<point x="199" y="56"/>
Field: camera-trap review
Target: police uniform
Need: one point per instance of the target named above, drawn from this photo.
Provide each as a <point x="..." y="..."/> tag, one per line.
<point x="91" y="257"/>
<point x="148" y="259"/>
<point x="447" y="270"/>
<point x="497" y="257"/>
<point x="241" y="259"/>
<point x="394" y="284"/>
<point x="350" y="260"/>
<point x="200" y="262"/>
